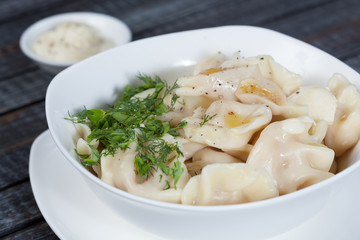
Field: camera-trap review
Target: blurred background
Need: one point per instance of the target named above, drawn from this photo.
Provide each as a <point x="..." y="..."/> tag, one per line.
<point x="331" y="25"/>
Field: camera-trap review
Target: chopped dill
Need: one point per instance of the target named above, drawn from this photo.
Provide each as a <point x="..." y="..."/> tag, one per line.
<point x="133" y="119"/>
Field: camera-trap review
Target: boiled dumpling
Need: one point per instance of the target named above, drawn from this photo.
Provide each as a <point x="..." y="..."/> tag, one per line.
<point x="320" y="101"/>
<point x="184" y="107"/>
<point x="190" y="148"/>
<point x="119" y="171"/>
<point x="270" y="69"/>
<point x="211" y="62"/>
<point x="292" y="157"/>
<point x="208" y="156"/>
<point x="345" y="132"/>
<point x="318" y="130"/>
<point x="229" y="125"/>
<point x="348" y="158"/>
<point x="263" y="91"/>
<point x="228" y="183"/>
<point x="215" y="84"/>
<point x="83" y="147"/>
<point x="84" y="131"/>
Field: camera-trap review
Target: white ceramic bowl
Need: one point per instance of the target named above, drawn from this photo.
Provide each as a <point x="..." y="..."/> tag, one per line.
<point x="109" y="27"/>
<point x="97" y="81"/>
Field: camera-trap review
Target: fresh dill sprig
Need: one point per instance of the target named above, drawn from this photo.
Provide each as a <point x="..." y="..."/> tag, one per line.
<point x="133" y="119"/>
<point x="206" y="118"/>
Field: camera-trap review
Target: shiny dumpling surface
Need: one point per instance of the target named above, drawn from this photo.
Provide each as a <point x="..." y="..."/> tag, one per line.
<point x="293" y="158"/>
<point x="211" y="62"/>
<point x="119" y="171"/>
<point x="260" y="90"/>
<point x="216" y="83"/>
<point x="320" y="101"/>
<point x="344" y="133"/>
<point x="184" y="107"/>
<point x="208" y="156"/>
<point x="228" y="183"/>
<point x="270" y="69"/>
<point x="230" y="124"/>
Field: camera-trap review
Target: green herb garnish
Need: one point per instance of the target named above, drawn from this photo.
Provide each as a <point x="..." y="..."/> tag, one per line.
<point x="133" y="119"/>
<point x="206" y="118"/>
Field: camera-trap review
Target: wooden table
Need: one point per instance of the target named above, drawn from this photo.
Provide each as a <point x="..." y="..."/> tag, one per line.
<point x="331" y="25"/>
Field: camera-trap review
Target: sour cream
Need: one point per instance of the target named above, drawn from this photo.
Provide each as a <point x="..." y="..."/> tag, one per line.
<point x="70" y="42"/>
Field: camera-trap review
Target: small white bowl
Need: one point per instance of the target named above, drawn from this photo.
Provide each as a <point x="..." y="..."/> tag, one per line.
<point x="101" y="78"/>
<point x="109" y="27"/>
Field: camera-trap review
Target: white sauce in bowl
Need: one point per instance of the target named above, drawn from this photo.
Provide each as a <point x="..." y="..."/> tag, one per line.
<point x="70" y="42"/>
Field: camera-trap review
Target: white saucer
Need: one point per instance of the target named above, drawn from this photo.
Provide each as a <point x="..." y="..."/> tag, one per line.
<point x="68" y="205"/>
<point x="74" y="212"/>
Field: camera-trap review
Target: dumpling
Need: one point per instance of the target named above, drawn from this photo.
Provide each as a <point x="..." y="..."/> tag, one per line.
<point x="190" y="148"/>
<point x="84" y="131"/>
<point x="229" y="125"/>
<point x="291" y="155"/>
<point x="208" y="156"/>
<point x="270" y="69"/>
<point x="82" y="146"/>
<point x="184" y="107"/>
<point x="348" y="158"/>
<point x="228" y="183"/>
<point x="216" y="84"/>
<point x="263" y="91"/>
<point x="119" y="171"/>
<point x="318" y="130"/>
<point x="211" y="62"/>
<point x="320" y="101"/>
<point x="345" y="132"/>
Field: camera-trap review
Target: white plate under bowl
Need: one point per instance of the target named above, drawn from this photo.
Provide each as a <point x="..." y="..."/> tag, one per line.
<point x="73" y="211"/>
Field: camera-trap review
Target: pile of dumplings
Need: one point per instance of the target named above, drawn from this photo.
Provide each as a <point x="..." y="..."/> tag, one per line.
<point x="266" y="134"/>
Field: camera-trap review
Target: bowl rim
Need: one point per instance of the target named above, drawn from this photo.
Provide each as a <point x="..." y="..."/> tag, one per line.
<point x="198" y="208"/>
<point x="62" y="17"/>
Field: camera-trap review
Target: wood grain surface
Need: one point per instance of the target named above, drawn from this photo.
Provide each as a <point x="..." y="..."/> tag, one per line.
<point x="331" y="25"/>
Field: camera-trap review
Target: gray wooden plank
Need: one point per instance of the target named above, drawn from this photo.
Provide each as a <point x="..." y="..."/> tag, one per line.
<point x="333" y="27"/>
<point x="15" y="127"/>
<point x="13" y="63"/>
<point x="15" y="164"/>
<point x="23" y="89"/>
<point x="37" y="231"/>
<point x="18" y="131"/>
<point x="18" y="209"/>
<point x="12" y="9"/>
<point x="354" y="62"/>
<point x="226" y="13"/>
